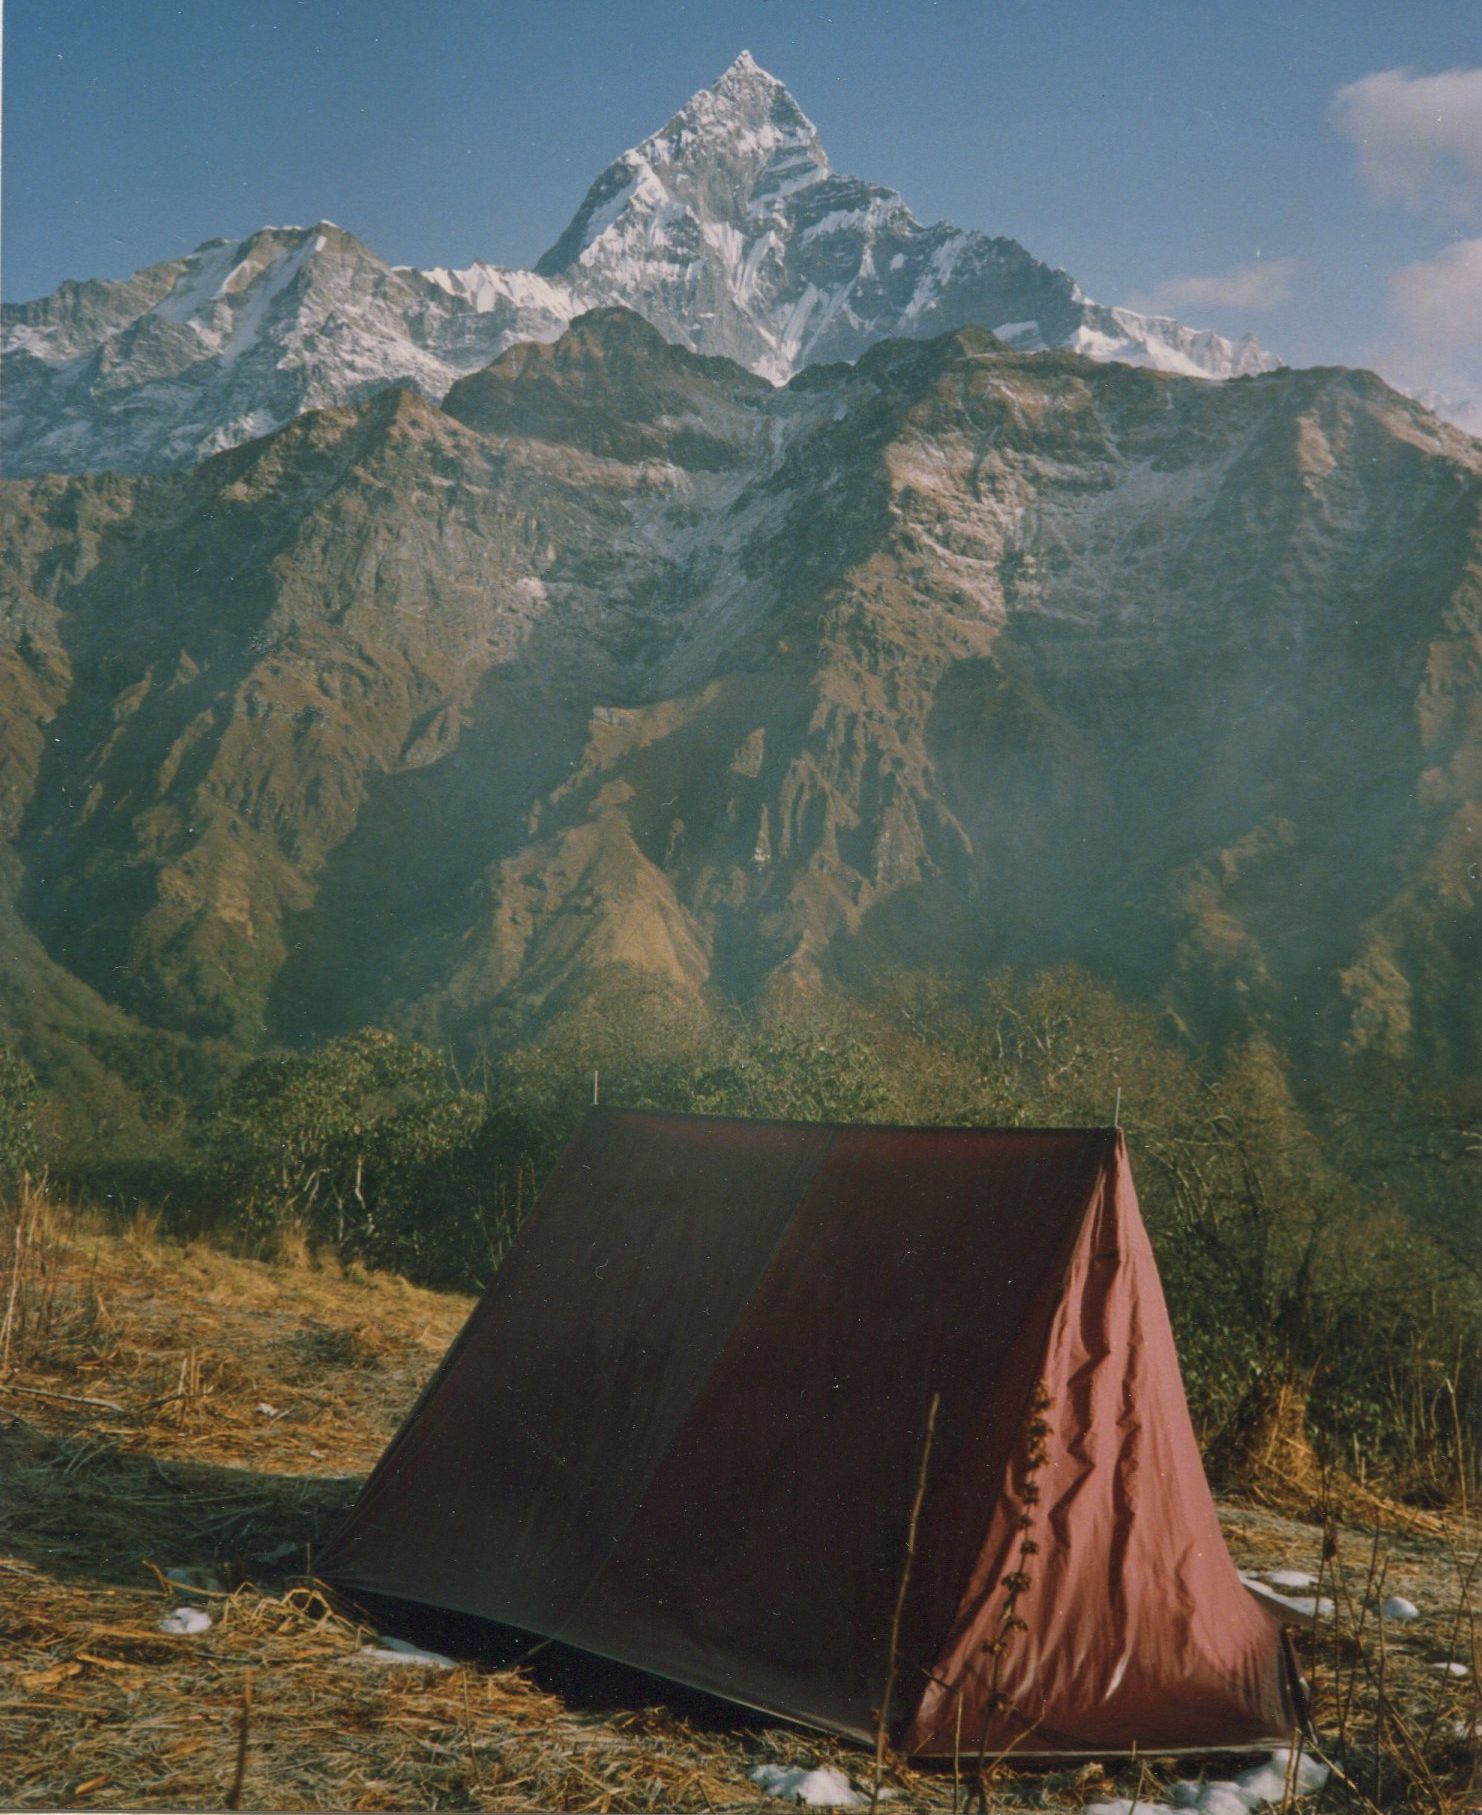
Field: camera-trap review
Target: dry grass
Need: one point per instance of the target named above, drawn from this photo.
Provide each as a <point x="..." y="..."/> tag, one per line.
<point x="168" y="1408"/>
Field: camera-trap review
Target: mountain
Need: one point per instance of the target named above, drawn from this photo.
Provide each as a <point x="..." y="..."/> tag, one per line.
<point x="954" y="657"/>
<point x="728" y="230"/>
<point x="234" y="340"/>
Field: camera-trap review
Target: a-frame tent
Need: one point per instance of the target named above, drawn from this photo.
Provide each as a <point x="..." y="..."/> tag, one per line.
<point x="685" y="1425"/>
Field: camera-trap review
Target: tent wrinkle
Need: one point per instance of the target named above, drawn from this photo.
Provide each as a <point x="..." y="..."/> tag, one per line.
<point x="683" y="1430"/>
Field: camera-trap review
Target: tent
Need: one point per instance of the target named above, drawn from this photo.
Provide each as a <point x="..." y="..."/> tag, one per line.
<point x="687" y="1423"/>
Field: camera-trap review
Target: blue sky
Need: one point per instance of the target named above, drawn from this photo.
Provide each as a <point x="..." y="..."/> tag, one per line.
<point x="1310" y="170"/>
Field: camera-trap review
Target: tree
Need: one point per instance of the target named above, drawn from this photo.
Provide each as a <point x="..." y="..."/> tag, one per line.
<point x="367" y="1145"/>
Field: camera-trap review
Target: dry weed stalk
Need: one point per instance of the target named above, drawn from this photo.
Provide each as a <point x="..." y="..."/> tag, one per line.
<point x="1015" y="1584"/>
<point x="1398" y="1757"/>
<point x="234" y="1795"/>
<point x="35" y="1269"/>
<point x="882" y="1725"/>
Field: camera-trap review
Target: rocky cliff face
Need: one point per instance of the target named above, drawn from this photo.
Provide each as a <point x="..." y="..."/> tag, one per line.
<point x="728" y="230"/>
<point x="955" y="657"/>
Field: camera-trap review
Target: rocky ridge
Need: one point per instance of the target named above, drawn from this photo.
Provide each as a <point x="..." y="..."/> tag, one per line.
<point x="954" y="657"/>
<point x="729" y="230"/>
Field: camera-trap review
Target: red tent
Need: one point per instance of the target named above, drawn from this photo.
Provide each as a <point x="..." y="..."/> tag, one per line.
<point x="685" y="1426"/>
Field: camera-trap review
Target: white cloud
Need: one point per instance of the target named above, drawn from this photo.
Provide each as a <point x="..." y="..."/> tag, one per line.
<point x="1436" y="352"/>
<point x="1262" y="284"/>
<point x="1439" y="300"/>
<point x="1419" y="138"/>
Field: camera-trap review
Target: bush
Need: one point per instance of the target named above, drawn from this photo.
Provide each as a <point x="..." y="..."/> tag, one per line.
<point x="369" y="1147"/>
<point x="20" y="1097"/>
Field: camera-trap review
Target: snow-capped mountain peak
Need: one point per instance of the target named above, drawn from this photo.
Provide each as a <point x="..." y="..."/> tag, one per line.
<point x="730" y="155"/>
<point x="749" y="126"/>
<point x="731" y="231"/>
<point x="727" y="229"/>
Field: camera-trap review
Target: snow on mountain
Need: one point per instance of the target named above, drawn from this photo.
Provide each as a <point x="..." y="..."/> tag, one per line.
<point x="728" y="230"/>
<point x="732" y="233"/>
<point x="235" y="339"/>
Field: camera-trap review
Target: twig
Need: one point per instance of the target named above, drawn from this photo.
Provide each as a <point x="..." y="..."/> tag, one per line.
<point x="1017" y="1581"/>
<point x="1142" y="1777"/>
<point x="957" y="1753"/>
<point x="1453" y="1638"/>
<point x="234" y="1795"/>
<point x="170" y="1586"/>
<point x="1344" y="1778"/>
<point x="883" y="1724"/>
<point x="15" y="1282"/>
<point x="1380" y="1711"/>
<point x="1293" y="1772"/>
<point x="473" y="1757"/>
<point x="42" y="1392"/>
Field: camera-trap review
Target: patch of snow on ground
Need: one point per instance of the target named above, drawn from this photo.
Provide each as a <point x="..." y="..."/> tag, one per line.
<point x="1303" y="1606"/>
<point x="1290" y="1578"/>
<point x="398" y="1651"/>
<point x="1453" y="1669"/>
<point x="820" y="1788"/>
<point x="186" y="1622"/>
<point x="1398" y="1608"/>
<point x="1261" y="1784"/>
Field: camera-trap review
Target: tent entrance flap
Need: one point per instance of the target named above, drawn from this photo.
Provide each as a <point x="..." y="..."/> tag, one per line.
<point x="683" y="1429"/>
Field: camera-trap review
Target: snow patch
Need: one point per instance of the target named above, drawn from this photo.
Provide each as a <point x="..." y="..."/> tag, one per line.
<point x="1305" y="1607"/>
<point x="489" y="287"/>
<point x="1261" y="1784"/>
<point x="820" y="1788"/>
<point x="398" y="1651"/>
<point x="260" y="297"/>
<point x="1290" y="1578"/>
<point x="186" y="1622"/>
<point x="643" y="190"/>
<point x="1398" y="1608"/>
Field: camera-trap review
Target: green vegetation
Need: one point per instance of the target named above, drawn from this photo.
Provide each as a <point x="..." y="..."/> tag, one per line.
<point x="19" y="1100"/>
<point x="365" y="1146"/>
<point x="1319" y="1247"/>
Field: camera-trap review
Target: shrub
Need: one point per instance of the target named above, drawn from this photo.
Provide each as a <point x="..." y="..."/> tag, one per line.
<point x="20" y="1097"/>
<point x="368" y="1146"/>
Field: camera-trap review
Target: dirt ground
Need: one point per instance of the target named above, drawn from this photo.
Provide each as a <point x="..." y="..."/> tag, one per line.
<point x="170" y="1411"/>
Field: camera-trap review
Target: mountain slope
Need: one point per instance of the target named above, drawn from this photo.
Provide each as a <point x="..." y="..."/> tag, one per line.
<point x="728" y="230"/>
<point x="954" y="657"/>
